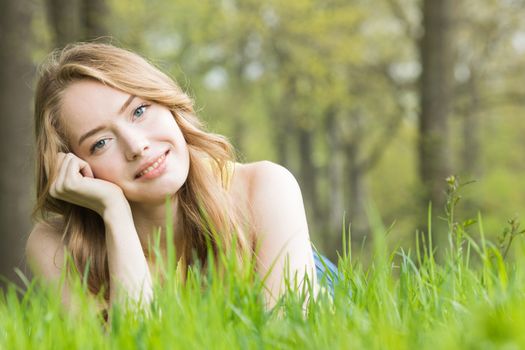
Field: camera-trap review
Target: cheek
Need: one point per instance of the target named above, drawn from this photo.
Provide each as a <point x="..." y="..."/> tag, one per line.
<point x="106" y="171"/>
<point x="171" y="131"/>
<point x="172" y="127"/>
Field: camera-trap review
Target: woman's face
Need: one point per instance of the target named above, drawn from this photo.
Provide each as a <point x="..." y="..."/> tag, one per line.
<point x="126" y="140"/>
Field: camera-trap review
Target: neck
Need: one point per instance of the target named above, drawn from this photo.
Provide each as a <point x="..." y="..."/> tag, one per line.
<point x="150" y="218"/>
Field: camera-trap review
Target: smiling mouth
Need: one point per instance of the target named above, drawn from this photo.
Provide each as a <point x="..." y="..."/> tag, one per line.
<point x="153" y="166"/>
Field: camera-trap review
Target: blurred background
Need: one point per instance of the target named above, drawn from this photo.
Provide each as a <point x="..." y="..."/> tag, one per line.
<point x="370" y="104"/>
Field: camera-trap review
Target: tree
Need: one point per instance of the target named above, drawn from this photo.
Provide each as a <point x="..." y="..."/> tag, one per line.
<point x="435" y="100"/>
<point x="75" y="20"/>
<point x="64" y="21"/>
<point x="94" y="18"/>
<point x="16" y="73"/>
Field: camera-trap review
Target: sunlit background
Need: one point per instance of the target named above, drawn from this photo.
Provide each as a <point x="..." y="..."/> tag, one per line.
<point x="333" y="90"/>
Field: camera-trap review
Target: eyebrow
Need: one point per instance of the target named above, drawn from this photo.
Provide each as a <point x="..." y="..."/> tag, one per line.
<point x="126" y="104"/>
<point x="100" y="128"/>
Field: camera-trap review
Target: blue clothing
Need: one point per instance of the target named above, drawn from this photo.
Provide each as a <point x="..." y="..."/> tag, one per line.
<point x="327" y="273"/>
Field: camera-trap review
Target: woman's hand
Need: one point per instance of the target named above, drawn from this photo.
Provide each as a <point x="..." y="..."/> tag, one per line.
<point x="129" y="274"/>
<point x="76" y="184"/>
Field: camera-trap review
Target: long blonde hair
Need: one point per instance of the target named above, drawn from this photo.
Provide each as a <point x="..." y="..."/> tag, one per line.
<point x="83" y="231"/>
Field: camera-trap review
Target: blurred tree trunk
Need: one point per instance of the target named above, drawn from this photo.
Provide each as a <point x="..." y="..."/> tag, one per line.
<point x="335" y="203"/>
<point x="241" y="87"/>
<point x="355" y="169"/>
<point x="309" y="178"/>
<point x="355" y="193"/>
<point x="94" y="18"/>
<point x="435" y="101"/>
<point x="284" y="129"/>
<point x="16" y="74"/>
<point x="64" y="21"/>
<point x="75" y="20"/>
<point x="282" y="133"/>
<point x="470" y="155"/>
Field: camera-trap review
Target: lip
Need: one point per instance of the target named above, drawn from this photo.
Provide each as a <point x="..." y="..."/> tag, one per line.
<point x="146" y="164"/>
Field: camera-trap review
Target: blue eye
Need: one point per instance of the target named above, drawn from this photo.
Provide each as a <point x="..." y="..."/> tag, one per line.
<point x="137" y="113"/>
<point x="98" y="145"/>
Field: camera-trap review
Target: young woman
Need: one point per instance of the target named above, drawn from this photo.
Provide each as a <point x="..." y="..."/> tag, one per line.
<point x="116" y="138"/>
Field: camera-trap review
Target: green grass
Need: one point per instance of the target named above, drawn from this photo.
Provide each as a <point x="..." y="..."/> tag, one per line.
<point x="472" y="298"/>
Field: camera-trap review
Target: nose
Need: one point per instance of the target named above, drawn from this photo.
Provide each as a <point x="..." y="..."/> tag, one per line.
<point x="135" y="144"/>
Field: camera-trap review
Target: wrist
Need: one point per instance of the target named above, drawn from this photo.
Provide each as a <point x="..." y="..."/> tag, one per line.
<point x="115" y="209"/>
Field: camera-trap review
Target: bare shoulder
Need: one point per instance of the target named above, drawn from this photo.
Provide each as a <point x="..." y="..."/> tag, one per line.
<point x="263" y="178"/>
<point x="44" y="250"/>
<point x="272" y="192"/>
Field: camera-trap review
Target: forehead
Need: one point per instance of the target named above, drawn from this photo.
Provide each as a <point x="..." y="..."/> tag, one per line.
<point x="88" y="103"/>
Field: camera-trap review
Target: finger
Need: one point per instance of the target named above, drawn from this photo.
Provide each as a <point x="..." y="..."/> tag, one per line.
<point x="72" y="169"/>
<point x="85" y="169"/>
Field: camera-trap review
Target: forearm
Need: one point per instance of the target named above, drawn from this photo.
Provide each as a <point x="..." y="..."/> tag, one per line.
<point x="128" y="269"/>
